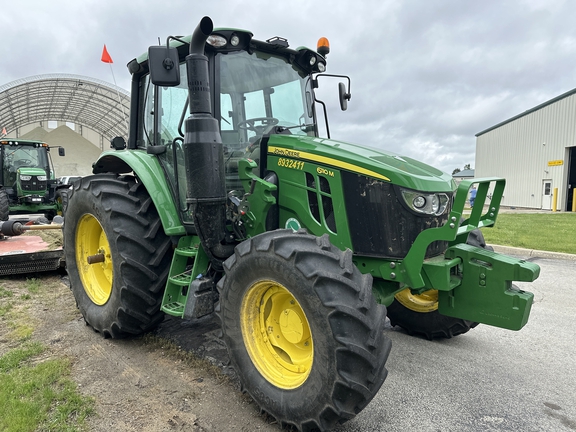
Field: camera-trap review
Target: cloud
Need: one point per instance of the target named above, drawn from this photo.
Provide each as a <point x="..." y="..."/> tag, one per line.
<point x="426" y="75"/>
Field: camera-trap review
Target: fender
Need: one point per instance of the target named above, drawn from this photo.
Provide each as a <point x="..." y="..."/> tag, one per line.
<point x="148" y="170"/>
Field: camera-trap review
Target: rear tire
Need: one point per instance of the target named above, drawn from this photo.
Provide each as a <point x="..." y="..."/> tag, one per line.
<point x="114" y="218"/>
<point x="302" y="328"/>
<point x="418" y="313"/>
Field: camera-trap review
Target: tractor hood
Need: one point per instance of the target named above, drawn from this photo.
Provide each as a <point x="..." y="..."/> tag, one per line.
<point x="399" y="170"/>
<point x="31" y="171"/>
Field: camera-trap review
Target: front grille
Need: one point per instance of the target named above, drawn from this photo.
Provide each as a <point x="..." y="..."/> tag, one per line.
<point x="380" y="225"/>
<point x="33" y="184"/>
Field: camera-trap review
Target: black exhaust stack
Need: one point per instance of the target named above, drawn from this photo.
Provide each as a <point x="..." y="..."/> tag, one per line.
<point x="203" y="151"/>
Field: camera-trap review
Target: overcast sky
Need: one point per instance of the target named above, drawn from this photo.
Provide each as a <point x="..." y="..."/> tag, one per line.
<point x="426" y="75"/>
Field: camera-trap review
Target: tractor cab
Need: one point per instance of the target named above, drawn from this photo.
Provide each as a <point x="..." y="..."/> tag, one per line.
<point x="26" y="167"/>
<point x="258" y="89"/>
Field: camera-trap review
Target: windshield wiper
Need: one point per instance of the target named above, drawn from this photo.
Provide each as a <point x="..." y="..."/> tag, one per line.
<point x="303" y="127"/>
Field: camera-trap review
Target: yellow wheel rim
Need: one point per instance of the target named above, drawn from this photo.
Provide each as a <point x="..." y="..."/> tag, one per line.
<point x="59" y="203"/>
<point x="97" y="277"/>
<point x="276" y="334"/>
<point x="425" y="302"/>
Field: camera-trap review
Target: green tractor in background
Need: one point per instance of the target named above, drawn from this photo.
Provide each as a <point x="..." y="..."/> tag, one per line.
<point x="28" y="184"/>
<point x="226" y="200"/>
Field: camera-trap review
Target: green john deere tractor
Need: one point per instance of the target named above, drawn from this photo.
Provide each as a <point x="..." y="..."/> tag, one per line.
<point x="225" y="199"/>
<point x="28" y="185"/>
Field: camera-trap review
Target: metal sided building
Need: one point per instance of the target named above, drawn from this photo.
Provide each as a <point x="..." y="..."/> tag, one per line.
<point x="536" y="152"/>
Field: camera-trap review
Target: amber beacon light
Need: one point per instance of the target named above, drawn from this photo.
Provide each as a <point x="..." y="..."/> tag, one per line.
<point x="323" y="46"/>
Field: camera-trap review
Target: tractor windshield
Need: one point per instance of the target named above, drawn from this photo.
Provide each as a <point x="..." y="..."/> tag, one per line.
<point x="19" y="156"/>
<point x="253" y="93"/>
<point x="259" y="91"/>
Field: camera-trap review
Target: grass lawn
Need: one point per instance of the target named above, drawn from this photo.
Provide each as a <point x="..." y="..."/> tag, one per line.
<point x="37" y="394"/>
<point x="36" y="391"/>
<point x="555" y="232"/>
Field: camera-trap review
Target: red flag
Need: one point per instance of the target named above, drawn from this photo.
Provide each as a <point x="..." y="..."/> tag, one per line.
<point x="105" y="56"/>
<point x="4" y="131"/>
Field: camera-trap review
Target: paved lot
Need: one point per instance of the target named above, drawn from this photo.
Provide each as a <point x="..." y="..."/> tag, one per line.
<point x="488" y="379"/>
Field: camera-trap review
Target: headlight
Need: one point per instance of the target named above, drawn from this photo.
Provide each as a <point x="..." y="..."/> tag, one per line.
<point x="25" y="177"/>
<point x="41" y="178"/>
<point x="425" y="202"/>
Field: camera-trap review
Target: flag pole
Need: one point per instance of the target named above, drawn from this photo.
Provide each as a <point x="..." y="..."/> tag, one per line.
<point x="120" y="100"/>
<point x="107" y="59"/>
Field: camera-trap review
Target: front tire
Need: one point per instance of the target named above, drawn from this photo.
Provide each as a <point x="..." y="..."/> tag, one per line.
<point x="418" y="315"/>
<point x="302" y="329"/>
<point x="113" y="221"/>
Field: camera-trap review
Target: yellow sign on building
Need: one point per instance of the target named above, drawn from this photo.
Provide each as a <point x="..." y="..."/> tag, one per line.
<point x="555" y="162"/>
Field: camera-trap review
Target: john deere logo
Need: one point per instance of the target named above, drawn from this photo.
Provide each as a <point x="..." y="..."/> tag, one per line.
<point x="293" y="224"/>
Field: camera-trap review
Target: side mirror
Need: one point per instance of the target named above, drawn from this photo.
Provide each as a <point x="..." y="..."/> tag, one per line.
<point x="61" y="151"/>
<point x="344" y="97"/>
<point x="163" y="66"/>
